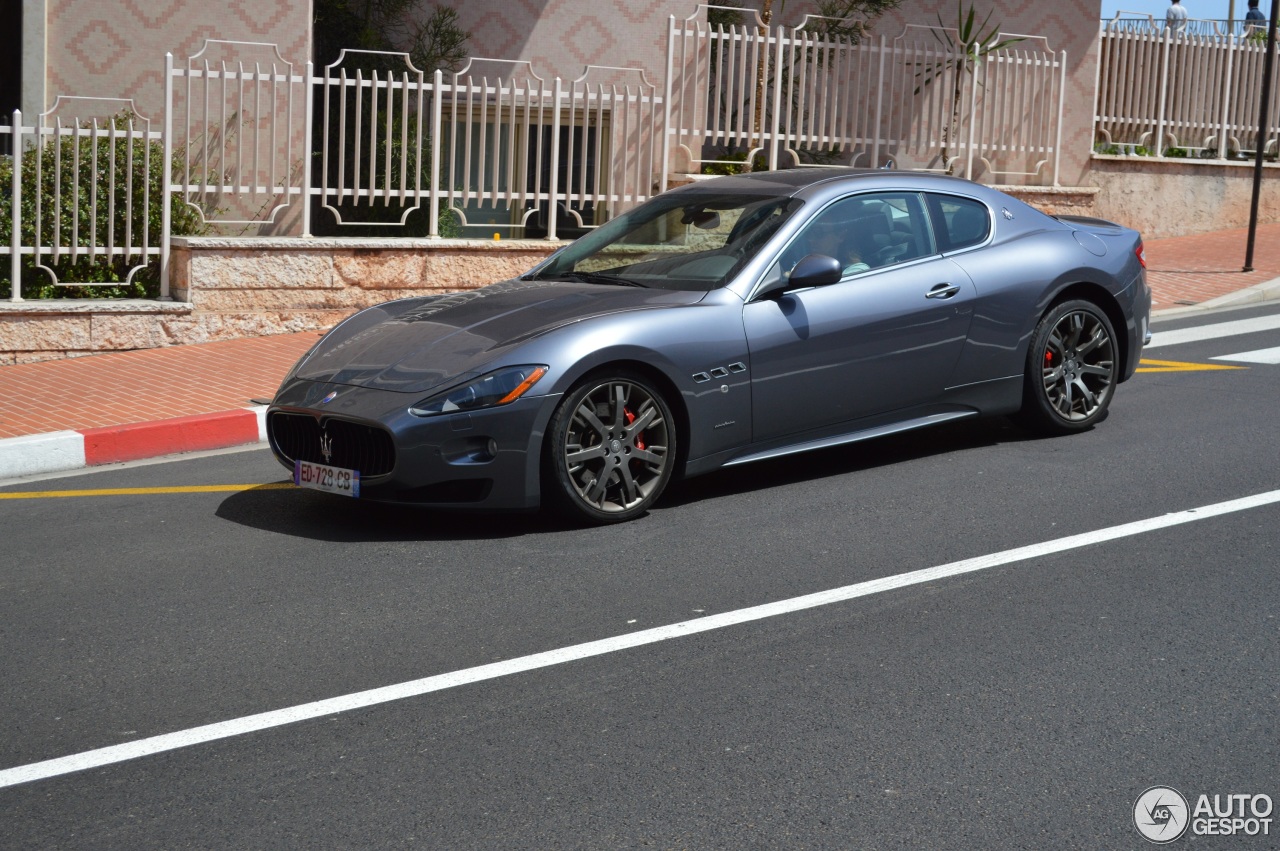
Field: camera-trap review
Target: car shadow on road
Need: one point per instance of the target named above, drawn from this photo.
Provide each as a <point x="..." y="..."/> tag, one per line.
<point x="321" y="517"/>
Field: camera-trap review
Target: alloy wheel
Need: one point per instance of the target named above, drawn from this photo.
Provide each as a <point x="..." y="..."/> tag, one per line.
<point x="1078" y="365"/>
<point x="615" y="449"/>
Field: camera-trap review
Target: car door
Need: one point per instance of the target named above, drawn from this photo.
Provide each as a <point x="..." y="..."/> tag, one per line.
<point x="887" y="336"/>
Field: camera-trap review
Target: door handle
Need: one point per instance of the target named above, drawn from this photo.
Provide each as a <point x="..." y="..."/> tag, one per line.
<point x="942" y="291"/>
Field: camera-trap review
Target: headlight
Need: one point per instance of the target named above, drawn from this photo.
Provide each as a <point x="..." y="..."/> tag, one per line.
<point x="499" y="387"/>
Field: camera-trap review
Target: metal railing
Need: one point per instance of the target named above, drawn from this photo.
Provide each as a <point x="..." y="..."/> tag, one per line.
<point x="371" y="141"/>
<point x="1189" y="93"/>
<point x="1124" y="21"/>
<point x="93" y="160"/>
<point x="565" y="156"/>
<point x="234" y="113"/>
<point x="921" y="100"/>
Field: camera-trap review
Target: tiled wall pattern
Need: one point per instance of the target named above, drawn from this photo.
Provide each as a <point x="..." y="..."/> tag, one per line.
<point x="561" y="37"/>
<point x="116" y="48"/>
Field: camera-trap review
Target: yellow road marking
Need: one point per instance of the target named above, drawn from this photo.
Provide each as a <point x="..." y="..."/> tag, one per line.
<point x="1178" y="366"/>
<point x="1145" y="366"/>
<point x="144" y="491"/>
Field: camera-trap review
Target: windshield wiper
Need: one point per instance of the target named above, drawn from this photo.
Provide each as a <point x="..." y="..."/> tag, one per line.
<point x="594" y="278"/>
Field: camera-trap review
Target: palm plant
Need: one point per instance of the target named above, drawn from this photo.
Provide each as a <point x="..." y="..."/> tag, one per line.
<point x="973" y="44"/>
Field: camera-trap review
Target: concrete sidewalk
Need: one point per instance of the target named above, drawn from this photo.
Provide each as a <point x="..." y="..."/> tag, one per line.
<point x="81" y="412"/>
<point x="1203" y="270"/>
<point x="68" y="414"/>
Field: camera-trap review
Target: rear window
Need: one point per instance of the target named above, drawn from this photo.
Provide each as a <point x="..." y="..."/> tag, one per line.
<point x="959" y="222"/>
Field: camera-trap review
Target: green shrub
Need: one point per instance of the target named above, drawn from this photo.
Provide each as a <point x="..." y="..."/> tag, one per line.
<point x="729" y="163"/>
<point x="127" y="210"/>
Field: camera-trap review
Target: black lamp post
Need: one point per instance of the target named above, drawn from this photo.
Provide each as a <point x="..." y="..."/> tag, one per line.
<point x="1264" y="119"/>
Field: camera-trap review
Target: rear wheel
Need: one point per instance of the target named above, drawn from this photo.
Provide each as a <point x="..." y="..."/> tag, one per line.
<point x="1071" y="371"/>
<point x="610" y="450"/>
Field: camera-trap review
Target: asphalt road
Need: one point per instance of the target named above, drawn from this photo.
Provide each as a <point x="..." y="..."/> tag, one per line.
<point x="1026" y="704"/>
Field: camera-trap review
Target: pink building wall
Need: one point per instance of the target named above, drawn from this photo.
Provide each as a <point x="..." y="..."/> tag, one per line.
<point x="116" y="48"/>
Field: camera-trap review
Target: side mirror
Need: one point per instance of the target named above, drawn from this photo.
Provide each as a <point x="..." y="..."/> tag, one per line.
<point x="815" y="270"/>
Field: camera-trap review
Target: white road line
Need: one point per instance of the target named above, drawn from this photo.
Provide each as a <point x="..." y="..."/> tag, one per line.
<point x="1212" y="332"/>
<point x="373" y="697"/>
<point x="1256" y="356"/>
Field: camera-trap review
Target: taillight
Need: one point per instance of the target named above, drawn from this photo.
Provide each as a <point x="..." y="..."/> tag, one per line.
<point x="1141" y="252"/>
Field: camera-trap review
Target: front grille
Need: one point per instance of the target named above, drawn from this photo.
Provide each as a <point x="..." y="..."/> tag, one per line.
<point x="351" y="445"/>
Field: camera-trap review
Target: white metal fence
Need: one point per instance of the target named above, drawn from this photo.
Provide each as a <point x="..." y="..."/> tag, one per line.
<point x="93" y="160"/>
<point x="1193" y="92"/>
<point x="922" y="100"/>
<point x="495" y="144"/>
<point x="371" y="139"/>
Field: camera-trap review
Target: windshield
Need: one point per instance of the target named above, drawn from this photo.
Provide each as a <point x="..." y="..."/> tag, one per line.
<point x="678" y="241"/>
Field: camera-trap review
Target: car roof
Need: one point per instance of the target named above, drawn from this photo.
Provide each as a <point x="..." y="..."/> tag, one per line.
<point x="793" y="181"/>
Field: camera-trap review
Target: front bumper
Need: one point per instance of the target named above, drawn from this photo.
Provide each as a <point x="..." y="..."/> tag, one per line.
<point x="486" y="459"/>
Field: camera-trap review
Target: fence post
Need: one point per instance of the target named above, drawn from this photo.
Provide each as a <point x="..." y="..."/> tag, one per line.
<point x="1062" y="101"/>
<point x="554" y="185"/>
<point x="308" y="82"/>
<point x="166" y="176"/>
<point x="777" y="96"/>
<point x="1105" y="49"/>
<point x="973" y="110"/>
<point x="15" y="240"/>
<point x="1164" y="92"/>
<point x="877" y="128"/>
<point x="437" y="79"/>
<point x="666" y="106"/>
<point x="1234" y="42"/>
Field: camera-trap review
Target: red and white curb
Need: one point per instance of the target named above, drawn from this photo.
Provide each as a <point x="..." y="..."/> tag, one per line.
<point x="70" y="450"/>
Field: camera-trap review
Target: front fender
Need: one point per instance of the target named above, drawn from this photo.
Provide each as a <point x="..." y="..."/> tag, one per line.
<point x="698" y="351"/>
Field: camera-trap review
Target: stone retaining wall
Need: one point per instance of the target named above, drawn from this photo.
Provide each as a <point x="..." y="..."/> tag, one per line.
<point x="225" y="288"/>
<point x="1164" y="197"/>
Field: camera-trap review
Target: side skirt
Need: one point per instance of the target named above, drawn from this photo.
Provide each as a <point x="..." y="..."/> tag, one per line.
<point x="851" y="437"/>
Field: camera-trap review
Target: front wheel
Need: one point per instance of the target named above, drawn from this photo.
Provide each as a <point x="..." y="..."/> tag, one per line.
<point x="1071" y="372"/>
<point x="610" y="450"/>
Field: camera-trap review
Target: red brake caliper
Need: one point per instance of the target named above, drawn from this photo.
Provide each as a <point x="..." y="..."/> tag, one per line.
<point x="630" y="419"/>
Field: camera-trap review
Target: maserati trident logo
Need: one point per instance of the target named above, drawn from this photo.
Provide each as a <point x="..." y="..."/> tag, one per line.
<point x="326" y="446"/>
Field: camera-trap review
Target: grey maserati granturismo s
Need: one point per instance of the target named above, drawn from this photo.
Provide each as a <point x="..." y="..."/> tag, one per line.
<point x="721" y="323"/>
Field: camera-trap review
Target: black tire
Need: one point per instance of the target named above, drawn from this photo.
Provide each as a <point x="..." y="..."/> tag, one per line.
<point x="610" y="449"/>
<point x="1071" y="371"/>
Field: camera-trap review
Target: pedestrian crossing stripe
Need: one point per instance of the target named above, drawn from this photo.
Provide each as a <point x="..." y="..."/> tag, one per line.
<point x="1146" y="365"/>
<point x="1267" y="356"/>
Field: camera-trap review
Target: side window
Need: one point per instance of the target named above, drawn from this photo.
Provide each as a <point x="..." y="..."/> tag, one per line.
<point x="866" y="232"/>
<point x="960" y="222"/>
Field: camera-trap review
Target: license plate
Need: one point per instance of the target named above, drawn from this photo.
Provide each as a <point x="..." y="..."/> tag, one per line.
<point x="322" y="477"/>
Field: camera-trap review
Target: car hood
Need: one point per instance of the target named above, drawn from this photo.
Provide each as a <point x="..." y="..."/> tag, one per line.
<point x="414" y="345"/>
